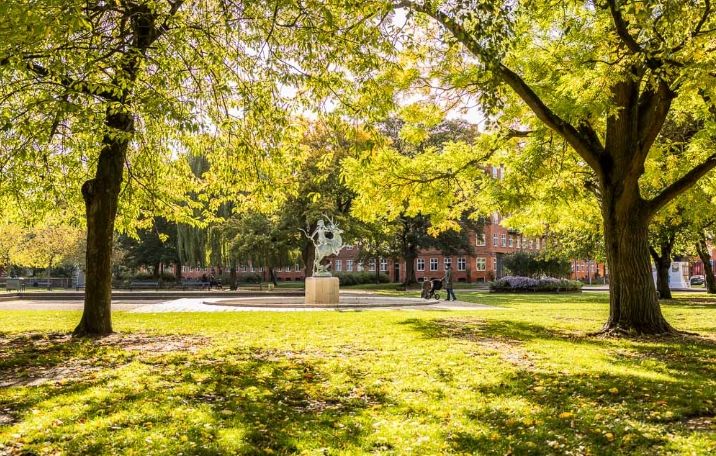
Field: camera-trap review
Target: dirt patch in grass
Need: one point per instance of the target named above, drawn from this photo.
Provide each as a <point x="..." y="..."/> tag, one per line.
<point x="701" y="423"/>
<point x="34" y="359"/>
<point x="150" y="343"/>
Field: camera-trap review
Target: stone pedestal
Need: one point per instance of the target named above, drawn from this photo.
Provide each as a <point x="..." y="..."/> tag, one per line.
<point x="321" y="291"/>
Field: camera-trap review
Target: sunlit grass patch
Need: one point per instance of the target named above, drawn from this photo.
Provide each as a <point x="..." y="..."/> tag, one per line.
<point x="527" y="380"/>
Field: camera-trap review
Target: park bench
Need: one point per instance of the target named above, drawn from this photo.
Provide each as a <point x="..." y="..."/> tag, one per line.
<point x="195" y="284"/>
<point x="143" y="284"/>
<point x="15" y="284"/>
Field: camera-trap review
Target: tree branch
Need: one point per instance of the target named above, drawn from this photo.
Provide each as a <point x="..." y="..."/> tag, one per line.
<point x="622" y="28"/>
<point x="584" y="140"/>
<point x="681" y="185"/>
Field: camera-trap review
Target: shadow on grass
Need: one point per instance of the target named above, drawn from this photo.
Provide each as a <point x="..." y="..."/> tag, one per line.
<point x="245" y="402"/>
<point x="636" y="397"/>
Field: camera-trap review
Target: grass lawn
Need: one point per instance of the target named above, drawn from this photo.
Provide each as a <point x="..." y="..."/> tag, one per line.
<point x="524" y="379"/>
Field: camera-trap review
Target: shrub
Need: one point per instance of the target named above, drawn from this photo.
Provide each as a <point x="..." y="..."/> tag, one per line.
<point x="357" y="278"/>
<point x="528" y="284"/>
<point x="165" y="277"/>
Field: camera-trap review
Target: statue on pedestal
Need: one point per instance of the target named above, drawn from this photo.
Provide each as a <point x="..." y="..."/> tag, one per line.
<point x="327" y="241"/>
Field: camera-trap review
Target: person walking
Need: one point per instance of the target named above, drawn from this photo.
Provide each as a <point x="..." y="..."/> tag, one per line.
<point x="447" y="283"/>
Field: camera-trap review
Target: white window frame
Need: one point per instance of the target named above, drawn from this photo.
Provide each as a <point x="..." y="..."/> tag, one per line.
<point x="510" y="241"/>
<point x="371" y="265"/>
<point x="383" y="265"/>
<point x="349" y="265"/>
<point x="447" y="261"/>
<point x="495" y="240"/>
<point x="339" y="265"/>
<point x="503" y="240"/>
<point x="420" y="264"/>
<point x="461" y="263"/>
<point x="433" y="264"/>
<point x="481" y="264"/>
<point x="480" y="239"/>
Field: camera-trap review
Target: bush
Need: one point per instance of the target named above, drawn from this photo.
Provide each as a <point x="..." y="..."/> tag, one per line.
<point x="358" y="278"/>
<point x="528" y="284"/>
<point x="165" y="277"/>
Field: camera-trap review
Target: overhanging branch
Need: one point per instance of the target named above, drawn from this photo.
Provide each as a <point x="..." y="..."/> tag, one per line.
<point x="681" y="185"/>
<point x="583" y="139"/>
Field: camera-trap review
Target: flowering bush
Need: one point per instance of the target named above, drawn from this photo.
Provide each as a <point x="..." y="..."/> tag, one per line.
<point x="529" y="284"/>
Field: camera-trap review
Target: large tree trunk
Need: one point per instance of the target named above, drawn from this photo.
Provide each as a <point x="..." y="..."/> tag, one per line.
<point x="662" y="263"/>
<point x="703" y="251"/>
<point x="101" y="196"/>
<point x="634" y="306"/>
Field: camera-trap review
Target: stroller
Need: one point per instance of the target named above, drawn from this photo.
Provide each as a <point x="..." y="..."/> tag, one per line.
<point x="430" y="289"/>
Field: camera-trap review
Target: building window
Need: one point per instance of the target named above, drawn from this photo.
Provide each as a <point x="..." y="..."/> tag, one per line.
<point x="433" y="264"/>
<point x="495" y="218"/>
<point x="448" y="262"/>
<point x="494" y="240"/>
<point x="349" y="265"/>
<point x="371" y="265"/>
<point x="420" y="264"/>
<point x="349" y="247"/>
<point x="495" y="174"/>
<point x="532" y="244"/>
<point x="509" y="241"/>
<point x="481" y="264"/>
<point x="504" y="240"/>
<point x="537" y="243"/>
<point x="359" y="266"/>
<point x="461" y="263"/>
<point x="339" y="265"/>
<point x="297" y="267"/>
<point x="494" y="264"/>
<point x="519" y="242"/>
<point x="383" y="265"/>
<point x="480" y="239"/>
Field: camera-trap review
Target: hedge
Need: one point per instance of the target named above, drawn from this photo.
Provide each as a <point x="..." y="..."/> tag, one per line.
<point x="528" y="284"/>
<point x="357" y="278"/>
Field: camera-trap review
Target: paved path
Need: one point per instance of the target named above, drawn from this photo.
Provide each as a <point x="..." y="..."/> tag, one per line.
<point x="20" y="304"/>
<point x="199" y="305"/>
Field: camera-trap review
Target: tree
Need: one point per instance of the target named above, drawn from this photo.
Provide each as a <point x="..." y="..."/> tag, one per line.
<point x="49" y="246"/>
<point x="153" y="248"/>
<point x="630" y="64"/>
<point x="260" y="240"/>
<point x="118" y="89"/>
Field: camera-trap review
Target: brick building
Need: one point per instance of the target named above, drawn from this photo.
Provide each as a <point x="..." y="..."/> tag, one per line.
<point x="483" y="265"/>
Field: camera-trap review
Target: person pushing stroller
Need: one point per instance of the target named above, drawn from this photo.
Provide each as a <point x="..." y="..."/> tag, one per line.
<point x="447" y="283"/>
